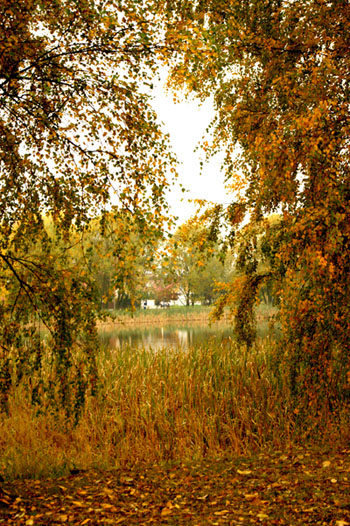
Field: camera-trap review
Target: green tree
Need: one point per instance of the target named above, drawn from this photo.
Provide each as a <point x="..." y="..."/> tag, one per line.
<point x="215" y="271"/>
<point x="184" y="261"/>
<point x="45" y="289"/>
<point x="120" y="257"/>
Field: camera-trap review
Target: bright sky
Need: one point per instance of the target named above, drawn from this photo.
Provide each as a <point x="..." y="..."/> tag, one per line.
<point x="186" y="123"/>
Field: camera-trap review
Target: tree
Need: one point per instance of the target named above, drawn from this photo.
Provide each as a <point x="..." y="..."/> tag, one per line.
<point x="215" y="271"/>
<point x="193" y="261"/>
<point x="72" y="116"/>
<point x="120" y="257"/>
<point x="183" y="264"/>
<point x="161" y="291"/>
<point x="46" y="291"/>
<point x="76" y="128"/>
<point x="279" y="75"/>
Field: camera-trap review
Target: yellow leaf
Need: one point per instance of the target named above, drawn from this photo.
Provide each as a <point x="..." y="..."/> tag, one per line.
<point x="243" y="471"/>
<point x="262" y="516"/>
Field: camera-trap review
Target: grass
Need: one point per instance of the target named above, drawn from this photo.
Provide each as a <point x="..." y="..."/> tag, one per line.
<point x="174" y="313"/>
<point x="205" y="402"/>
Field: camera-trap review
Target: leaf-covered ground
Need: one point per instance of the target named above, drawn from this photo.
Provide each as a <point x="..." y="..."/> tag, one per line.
<point x="299" y="487"/>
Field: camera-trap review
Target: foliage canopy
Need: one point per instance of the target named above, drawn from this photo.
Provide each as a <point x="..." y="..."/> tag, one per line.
<point x="279" y="75"/>
<point x="76" y="128"/>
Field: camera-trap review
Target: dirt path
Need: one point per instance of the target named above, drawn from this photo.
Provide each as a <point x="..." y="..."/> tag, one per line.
<point x="282" y="488"/>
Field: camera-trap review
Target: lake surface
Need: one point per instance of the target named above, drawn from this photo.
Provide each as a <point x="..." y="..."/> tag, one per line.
<point x="168" y="335"/>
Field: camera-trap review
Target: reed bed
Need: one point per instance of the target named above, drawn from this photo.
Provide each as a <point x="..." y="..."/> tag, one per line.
<point x="211" y="401"/>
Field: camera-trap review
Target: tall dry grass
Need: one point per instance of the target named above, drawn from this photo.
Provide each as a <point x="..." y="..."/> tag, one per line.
<point x="157" y="406"/>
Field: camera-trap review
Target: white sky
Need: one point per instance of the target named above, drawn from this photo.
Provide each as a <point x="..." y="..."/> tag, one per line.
<point x="186" y="122"/>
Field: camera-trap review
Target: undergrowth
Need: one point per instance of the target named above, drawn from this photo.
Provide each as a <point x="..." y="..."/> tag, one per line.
<point x="212" y="401"/>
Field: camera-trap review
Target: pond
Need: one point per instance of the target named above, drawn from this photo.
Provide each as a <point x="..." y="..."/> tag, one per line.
<point x="169" y="335"/>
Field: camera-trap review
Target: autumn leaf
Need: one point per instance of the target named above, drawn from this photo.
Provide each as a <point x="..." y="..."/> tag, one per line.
<point x="284" y="132"/>
<point x="244" y="471"/>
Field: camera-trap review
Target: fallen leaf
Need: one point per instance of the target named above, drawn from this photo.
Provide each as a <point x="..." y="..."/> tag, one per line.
<point x="126" y="480"/>
<point x="107" y="506"/>
<point x="251" y="496"/>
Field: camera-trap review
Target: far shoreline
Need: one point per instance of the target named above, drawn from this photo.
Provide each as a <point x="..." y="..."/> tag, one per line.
<point x="194" y="314"/>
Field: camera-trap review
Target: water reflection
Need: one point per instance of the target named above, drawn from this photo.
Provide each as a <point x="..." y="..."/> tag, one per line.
<point x="159" y="337"/>
<point x="169" y="336"/>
